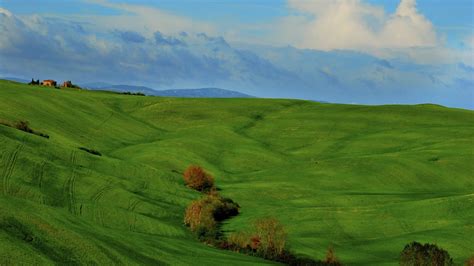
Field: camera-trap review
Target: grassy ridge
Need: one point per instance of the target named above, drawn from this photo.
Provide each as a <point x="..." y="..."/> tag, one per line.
<point x="366" y="180"/>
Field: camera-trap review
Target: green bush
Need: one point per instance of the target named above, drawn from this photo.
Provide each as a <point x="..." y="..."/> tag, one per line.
<point x="203" y="216"/>
<point x="23" y="126"/>
<point x="91" y="151"/>
<point x="225" y="208"/>
<point x="415" y="254"/>
<point x="331" y="258"/>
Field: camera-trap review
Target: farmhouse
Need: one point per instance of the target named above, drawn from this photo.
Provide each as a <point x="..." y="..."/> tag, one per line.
<point x="49" y="82"/>
<point x="67" y="84"/>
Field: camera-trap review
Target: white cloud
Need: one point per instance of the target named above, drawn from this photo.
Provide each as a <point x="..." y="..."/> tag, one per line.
<point x="357" y="25"/>
<point x="5" y="12"/>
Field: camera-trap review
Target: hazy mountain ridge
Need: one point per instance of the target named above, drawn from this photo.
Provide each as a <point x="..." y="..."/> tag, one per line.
<point x="187" y="93"/>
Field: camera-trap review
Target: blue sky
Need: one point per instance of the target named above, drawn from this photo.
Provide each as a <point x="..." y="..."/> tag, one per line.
<point x="363" y="51"/>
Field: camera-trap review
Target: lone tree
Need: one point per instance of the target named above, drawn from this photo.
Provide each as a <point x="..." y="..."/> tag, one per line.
<point x="331" y="258"/>
<point x="424" y="255"/>
<point x="196" y="178"/>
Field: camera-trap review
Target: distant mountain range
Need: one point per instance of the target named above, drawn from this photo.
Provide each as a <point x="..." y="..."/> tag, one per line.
<point x="187" y="93"/>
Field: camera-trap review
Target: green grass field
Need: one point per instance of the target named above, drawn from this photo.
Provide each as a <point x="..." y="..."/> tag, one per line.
<point x="364" y="179"/>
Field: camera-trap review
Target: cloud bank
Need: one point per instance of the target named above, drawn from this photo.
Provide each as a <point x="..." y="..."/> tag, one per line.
<point x="356" y="25"/>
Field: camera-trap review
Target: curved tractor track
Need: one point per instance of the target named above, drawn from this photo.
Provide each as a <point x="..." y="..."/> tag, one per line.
<point x="38" y="176"/>
<point x="70" y="185"/>
<point x="96" y="197"/>
<point x="9" y="168"/>
<point x="132" y="221"/>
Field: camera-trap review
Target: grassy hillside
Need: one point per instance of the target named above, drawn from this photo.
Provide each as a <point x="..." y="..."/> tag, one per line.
<point x="364" y="179"/>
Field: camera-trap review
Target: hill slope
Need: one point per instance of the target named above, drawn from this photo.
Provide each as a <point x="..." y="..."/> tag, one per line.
<point x="365" y="179"/>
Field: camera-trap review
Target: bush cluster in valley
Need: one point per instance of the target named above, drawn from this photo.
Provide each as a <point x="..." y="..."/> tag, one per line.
<point x="267" y="237"/>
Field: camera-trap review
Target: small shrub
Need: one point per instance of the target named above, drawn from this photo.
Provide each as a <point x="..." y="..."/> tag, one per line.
<point x="331" y="258"/>
<point x="196" y="178"/>
<point x="203" y="216"/>
<point x="271" y="237"/>
<point x="91" y="151"/>
<point x="192" y="216"/>
<point x="42" y="135"/>
<point x="427" y="254"/>
<point x="208" y="234"/>
<point x="23" y="126"/>
<point x="470" y="261"/>
<point x="239" y="241"/>
<point x="225" y="208"/>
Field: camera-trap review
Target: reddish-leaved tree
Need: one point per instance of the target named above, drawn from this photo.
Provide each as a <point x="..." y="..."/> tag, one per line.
<point x="196" y="178"/>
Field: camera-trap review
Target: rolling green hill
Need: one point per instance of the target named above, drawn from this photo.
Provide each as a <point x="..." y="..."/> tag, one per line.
<point x="364" y="179"/>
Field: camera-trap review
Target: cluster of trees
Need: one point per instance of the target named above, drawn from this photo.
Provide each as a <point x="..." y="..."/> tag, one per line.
<point x="133" y="93"/>
<point x="267" y="238"/>
<point x="424" y="254"/>
<point x="34" y="82"/>
<point x="204" y="215"/>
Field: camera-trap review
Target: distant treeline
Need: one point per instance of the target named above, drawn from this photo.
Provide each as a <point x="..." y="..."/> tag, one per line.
<point x="133" y="93"/>
<point x="23" y="126"/>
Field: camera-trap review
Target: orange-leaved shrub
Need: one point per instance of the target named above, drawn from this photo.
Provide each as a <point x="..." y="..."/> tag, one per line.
<point x="202" y="216"/>
<point x="267" y="239"/>
<point x="470" y="261"/>
<point x="270" y="236"/>
<point x="239" y="241"/>
<point x="196" y="178"/>
<point x="331" y="258"/>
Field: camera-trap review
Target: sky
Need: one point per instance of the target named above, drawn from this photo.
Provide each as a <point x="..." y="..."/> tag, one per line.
<point x="348" y="51"/>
